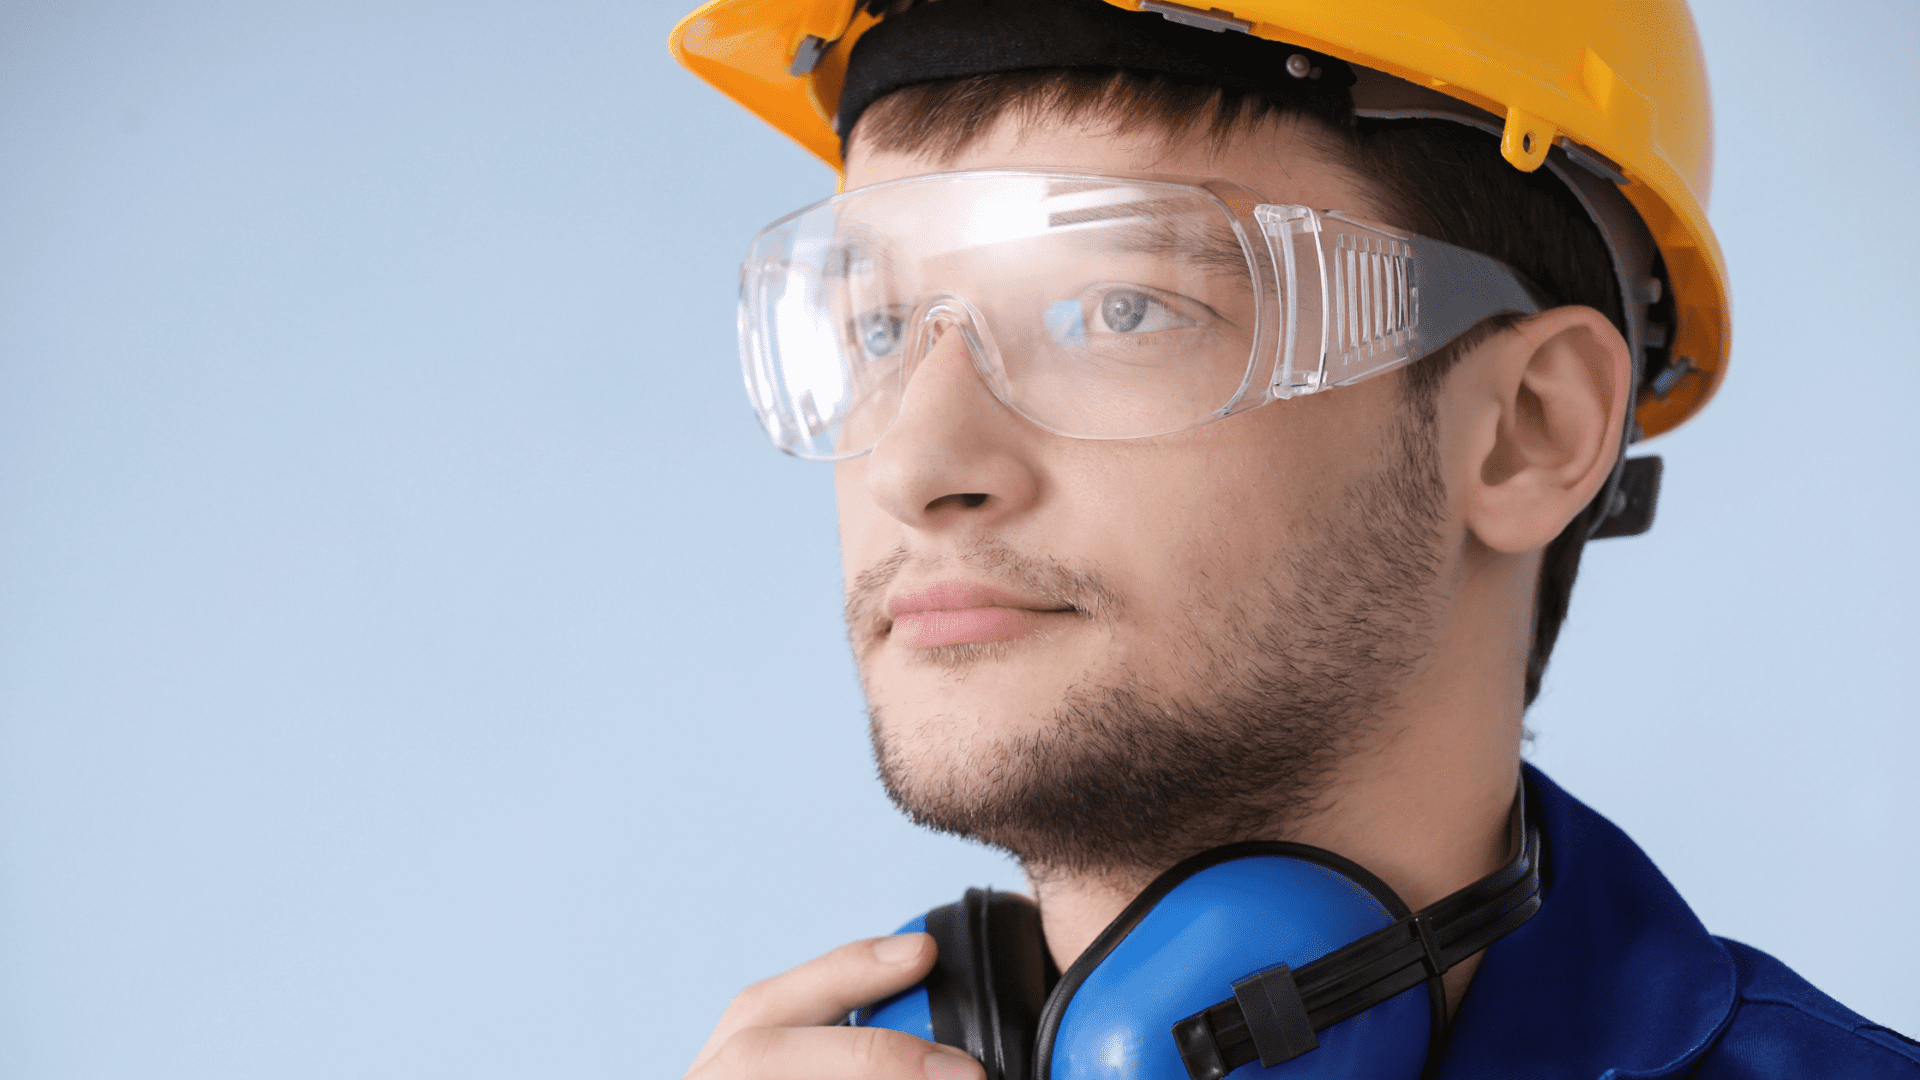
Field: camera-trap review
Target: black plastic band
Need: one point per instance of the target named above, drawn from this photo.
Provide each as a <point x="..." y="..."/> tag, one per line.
<point x="954" y="39"/>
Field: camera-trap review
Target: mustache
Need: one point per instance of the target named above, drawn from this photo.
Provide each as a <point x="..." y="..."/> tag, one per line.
<point x="1038" y="577"/>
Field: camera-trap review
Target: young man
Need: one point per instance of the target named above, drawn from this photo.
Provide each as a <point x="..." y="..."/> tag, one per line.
<point x="1219" y="411"/>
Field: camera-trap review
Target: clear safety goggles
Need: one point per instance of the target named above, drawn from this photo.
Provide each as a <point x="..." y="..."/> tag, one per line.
<point x="1098" y="307"/>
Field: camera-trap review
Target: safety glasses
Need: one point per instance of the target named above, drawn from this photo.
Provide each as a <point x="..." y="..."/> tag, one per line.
<point x="1098" y="307"/>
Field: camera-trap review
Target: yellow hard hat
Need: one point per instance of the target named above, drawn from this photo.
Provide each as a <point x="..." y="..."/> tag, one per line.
<point x="1622" y="81"/>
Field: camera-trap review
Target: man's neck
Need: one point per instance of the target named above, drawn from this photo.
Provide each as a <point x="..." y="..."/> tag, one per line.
<point x="1424" y="843"/>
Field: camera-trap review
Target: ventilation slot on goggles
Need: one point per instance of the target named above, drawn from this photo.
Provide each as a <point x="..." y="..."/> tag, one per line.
<point x="1375" y="306"/>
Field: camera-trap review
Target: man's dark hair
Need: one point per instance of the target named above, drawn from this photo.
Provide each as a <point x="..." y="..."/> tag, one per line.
<point x="1435" y="178"/>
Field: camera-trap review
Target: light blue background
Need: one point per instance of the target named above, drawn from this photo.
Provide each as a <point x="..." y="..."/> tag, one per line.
<point x="415" y="663"/>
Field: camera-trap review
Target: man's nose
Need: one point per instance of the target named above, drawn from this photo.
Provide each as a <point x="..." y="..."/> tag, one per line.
<point x="955" y="456"/>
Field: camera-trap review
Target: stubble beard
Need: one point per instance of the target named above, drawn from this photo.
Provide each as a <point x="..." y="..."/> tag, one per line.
<point x="1127" y="776"/>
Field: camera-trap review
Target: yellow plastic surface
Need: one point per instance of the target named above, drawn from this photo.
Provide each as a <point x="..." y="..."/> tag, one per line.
<point x="1625" y="78"/>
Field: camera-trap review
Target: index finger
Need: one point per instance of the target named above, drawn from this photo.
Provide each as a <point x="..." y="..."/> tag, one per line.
<point x="825" y="989"/>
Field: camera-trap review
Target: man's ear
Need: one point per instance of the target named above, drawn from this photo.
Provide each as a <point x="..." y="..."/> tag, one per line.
<point x="1543" y="404"/>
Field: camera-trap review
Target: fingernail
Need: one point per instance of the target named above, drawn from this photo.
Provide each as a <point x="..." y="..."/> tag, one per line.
<point x="899" y="948"/>
<point x="946" y="1063"/>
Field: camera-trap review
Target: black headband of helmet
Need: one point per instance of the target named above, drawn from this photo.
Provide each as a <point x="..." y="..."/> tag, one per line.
<point x="953" y="39"/>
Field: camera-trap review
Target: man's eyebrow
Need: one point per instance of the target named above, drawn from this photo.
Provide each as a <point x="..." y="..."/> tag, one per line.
<point x="850" y="250"/>
<point x="1136" y="227"/>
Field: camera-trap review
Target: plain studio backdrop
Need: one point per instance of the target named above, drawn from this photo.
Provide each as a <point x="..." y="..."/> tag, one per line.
<point x="414" y="662"/>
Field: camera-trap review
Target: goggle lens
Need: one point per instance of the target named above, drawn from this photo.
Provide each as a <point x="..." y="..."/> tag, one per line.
<point x="1096" y="307"/>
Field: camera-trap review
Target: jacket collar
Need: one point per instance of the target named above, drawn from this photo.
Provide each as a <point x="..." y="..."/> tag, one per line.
<point x="1613" y="977"/>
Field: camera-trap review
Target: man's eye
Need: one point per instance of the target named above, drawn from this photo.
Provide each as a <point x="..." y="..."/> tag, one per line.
<point x="1122" y="310"/>
<point x="1130" y="311"/>
<point x="880" y="332"/>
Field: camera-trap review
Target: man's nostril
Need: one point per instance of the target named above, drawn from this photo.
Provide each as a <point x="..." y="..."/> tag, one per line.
<point x="970" y="501"/>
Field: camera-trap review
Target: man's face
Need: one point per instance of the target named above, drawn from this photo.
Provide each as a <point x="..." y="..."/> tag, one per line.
<point x="1108" y="654"/>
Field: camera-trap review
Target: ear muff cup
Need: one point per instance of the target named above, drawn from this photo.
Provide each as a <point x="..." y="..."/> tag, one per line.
<point x="1209" y="923"/>
<point x="987" y="987"/>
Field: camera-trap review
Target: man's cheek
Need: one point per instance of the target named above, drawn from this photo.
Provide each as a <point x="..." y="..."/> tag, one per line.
<point x="863" y="527"/>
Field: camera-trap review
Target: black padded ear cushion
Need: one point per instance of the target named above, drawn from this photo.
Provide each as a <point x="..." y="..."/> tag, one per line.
<point x="991" y="979"/>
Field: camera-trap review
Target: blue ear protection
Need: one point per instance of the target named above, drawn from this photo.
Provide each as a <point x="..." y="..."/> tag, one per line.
<point x="1262" y="960"/>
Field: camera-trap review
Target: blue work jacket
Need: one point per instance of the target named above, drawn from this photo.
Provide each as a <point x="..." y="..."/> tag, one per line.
<point x="1615" y="977"/>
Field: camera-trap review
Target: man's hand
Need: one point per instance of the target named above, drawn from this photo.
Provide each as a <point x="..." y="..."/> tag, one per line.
<point x="774" y="1029"/>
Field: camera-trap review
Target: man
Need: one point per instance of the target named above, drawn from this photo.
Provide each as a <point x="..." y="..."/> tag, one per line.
<point x="1150" y="548"/>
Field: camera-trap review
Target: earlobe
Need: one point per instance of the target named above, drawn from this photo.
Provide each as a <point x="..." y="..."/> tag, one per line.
<point x="1553" y="392"/>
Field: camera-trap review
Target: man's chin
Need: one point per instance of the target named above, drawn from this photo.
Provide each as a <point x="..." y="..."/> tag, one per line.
<point x="1102" y="776"/>
<point x="951" y="729"/>
<point x="958" y="705"/>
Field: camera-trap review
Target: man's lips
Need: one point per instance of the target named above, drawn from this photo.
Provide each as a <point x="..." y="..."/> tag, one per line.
<point x="958" y="613"/>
